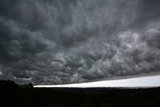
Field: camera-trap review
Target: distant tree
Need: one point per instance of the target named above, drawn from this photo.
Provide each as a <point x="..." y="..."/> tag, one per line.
<point x="12" y="84"/>
<point x="27" y="85"/>
<point x="8" y="84"/>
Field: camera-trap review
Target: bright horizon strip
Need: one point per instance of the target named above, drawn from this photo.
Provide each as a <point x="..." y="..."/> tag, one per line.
<point x="142" y="82"/>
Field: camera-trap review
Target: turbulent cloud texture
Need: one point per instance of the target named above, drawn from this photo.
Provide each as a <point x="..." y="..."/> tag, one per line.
<point x="67" y="41"/>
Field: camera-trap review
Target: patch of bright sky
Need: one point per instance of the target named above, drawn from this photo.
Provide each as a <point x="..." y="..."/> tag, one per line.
<point x="1" y="73"/>
<point x="149" y="81"/>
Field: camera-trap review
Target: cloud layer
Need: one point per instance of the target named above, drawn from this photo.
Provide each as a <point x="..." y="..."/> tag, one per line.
<point x="67" y="41"/>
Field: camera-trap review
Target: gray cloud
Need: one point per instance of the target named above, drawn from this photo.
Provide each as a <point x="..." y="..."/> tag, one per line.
<point x="67" y="41"/>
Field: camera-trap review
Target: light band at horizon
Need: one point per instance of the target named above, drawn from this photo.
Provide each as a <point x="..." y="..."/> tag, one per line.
<point x="139" y="82"/>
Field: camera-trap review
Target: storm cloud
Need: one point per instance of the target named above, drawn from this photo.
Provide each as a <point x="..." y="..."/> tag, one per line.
<point x="68" y="41"/>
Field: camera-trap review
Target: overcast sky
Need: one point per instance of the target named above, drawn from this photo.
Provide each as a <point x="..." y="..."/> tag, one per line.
<point x="68" y="41"/>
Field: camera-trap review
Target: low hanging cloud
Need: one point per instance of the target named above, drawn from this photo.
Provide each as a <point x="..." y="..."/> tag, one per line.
<point x="68" y="41"/>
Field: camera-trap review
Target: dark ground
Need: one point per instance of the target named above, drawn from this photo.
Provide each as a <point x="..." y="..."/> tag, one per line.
<point x="13" y="95"/>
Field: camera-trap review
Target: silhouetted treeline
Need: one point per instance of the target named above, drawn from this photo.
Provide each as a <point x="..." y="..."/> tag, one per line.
<point x="77" y="97"/>
<point x="12" y="84"/>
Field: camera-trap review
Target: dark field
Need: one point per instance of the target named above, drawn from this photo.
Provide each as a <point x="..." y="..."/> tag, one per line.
<point x="26" y="96"/>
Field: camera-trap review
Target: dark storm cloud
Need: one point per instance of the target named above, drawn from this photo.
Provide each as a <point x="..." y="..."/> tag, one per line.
<point x="65" y="41"/>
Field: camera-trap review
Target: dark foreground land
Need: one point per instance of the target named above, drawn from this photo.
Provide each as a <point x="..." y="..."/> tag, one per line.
<point x="13" y="95"/>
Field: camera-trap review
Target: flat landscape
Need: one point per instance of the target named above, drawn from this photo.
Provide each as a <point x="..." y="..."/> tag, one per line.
<point x="17" y="96"/>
